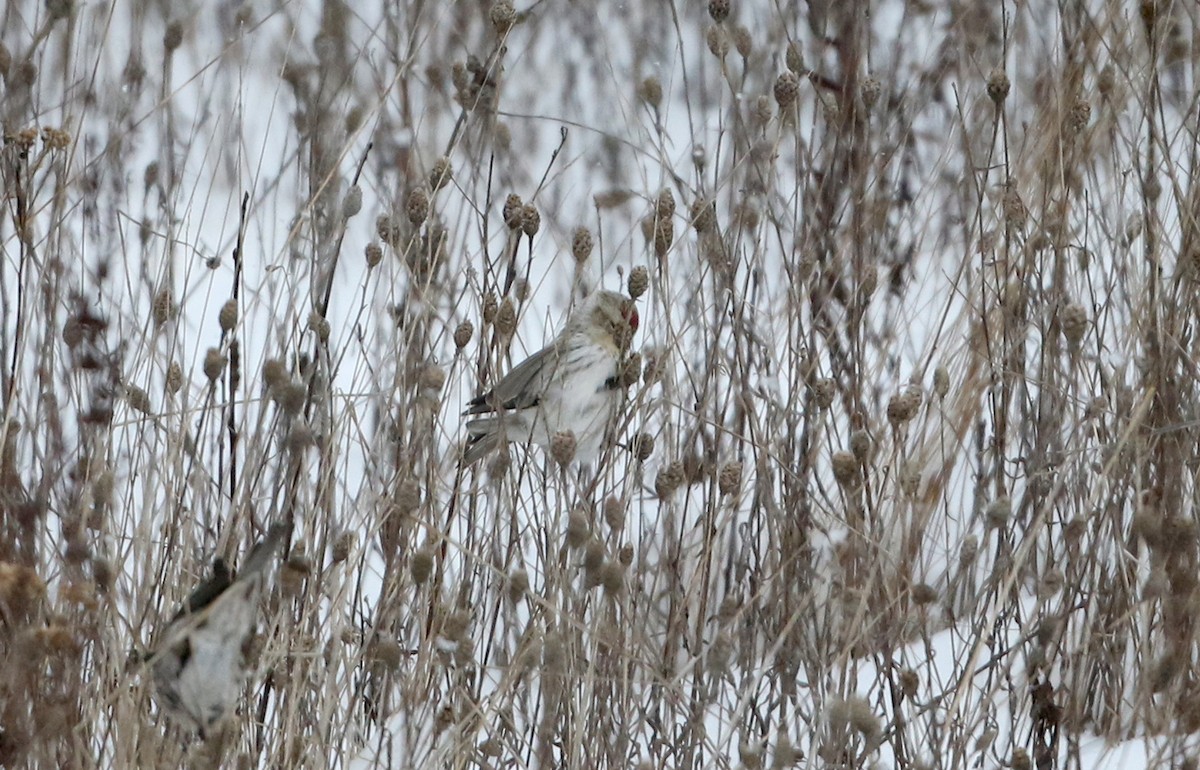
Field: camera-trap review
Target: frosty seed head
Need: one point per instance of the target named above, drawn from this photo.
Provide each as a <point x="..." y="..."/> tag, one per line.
<point x="417" y="207"/>
<point x="562" y="447"/>
<point x="717" y="40"/>
<point x="669" y="479"/>
<point x="421" y="565"/>
<point x="631" y="371"/>
<point x="214" y="364"/>
<point x="998" y="86"/>
<point x="787" y="88"/>
<point x="578" y="530"/>
<point x="614" y="513"/>
<point x="174" y="378"/>
<point x="228" y="316"/>
<point x="352" y="203"/>
<point x="531" y="220"/>
<point x="643" y="446"/>
<point x="506" y="318"/>
<point x="462" y="334"/>
<point x="795" y="60"/>
<point x="742" y="41"/>
<point x="503" y="16"/>
<point x="373" y="253"/>
<point x="581" y="244"/>
<point x="639" y="281"/>
<point x="729" y="480"/>
<point x="441" y="174"/>
<point x="650" y="91"/>
<point x="869" y="92"/>
<point x="845" y="469"/>
<point x="1073" y="320"/>
<point x="513" y="211"/>
<point x="703" y="214"/>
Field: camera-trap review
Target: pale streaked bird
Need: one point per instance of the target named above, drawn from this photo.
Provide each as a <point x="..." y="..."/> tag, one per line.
<point x="572" y="384"/>
<point x="200" y="666"/>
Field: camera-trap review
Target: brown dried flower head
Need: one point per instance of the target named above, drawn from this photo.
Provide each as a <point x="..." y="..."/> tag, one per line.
<point x="581" y="244"/>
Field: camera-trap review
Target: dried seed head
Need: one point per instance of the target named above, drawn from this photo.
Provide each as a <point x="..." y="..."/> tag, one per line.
<point x="513" y="210"/>
<point x="214" y="364"/>
<point x="614" y="513"/>
<point x="625" y="555"/>
<point x="742" y="41"/>
<point x="531" y="220"/>
<point x="433" y="378"/>
<point x="491" y="306"/>
<point x="704" y="215"/>
<point x="729" y="480"/>
<point x="174" y="378"/>
<point x="718" y="41"/>
<point x="631" y="372"/>
<point x="441" y="174"/>
<point x="291" y="397"/>
<point x="1015" y="213"/>
<point x="903" y="407"/>
<point x="863" y="719"/>
<point x="941" y="381"/>
<point x="562" y="447"/>
<point x="639" y="281"/>
<point x="374" y="254"/>
<point x="343" y="546"/>
<point x="718" y="10"/>
<point x="227" y="317"/>
<point x="417" y="207"/>
<point x="593" y="556"/>
<point x="669" y="479"/>
<point x="173" y="36"/>
<point x="612" y="576"/>
<point x="462" y="334"/>
<point x="421" y="565"/>
<point x="923" y="593"/>
<point x="163" y="307"/>
<point x="824" y="390"/>
<point x="1073" y="320"/>
<point x="869" y="91"/>
<point x="137" y="399"/>
<point x="999" y="511"/>
<point x="319" y="325"/>
<point x="664" y="206"/>
<point x="581" y="244"/>
<point x="1020" y="759"/>
<point x="643" y="446"/>
<point x="861" y="445"/>
<point x="761" y="111"/>
<point x="408" y="497"/>
<point x="845" y="469"/>
<point x="664" y="236"/>
<point x="910" y="682"/>
<point x="503" y="16"/>
<point x="787" y="88"/>
<point x="518" y="585"/>
<point x="1079" y="116"/>
<point x="795" y="60"/>
<point x="352" y="203"/>
<point x="998" y="87"/>
<point x="275" y="373"/>
<point x="650" y="91"/>
<point x="506" y="318"/>
<point x="578" y="530"/>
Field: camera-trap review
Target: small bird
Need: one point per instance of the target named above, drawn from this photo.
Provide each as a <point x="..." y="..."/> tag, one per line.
<point x="572" y="384"/>
<point x="200" y="667"/>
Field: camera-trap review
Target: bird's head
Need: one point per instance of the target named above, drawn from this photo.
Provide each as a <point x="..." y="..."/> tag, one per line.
<point x="616" y="315"/>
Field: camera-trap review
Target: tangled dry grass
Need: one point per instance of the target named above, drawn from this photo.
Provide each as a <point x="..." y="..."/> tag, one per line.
<point x="908" y="466"/>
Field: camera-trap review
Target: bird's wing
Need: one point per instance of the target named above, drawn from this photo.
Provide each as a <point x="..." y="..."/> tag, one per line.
<point x="520" y="388"/>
